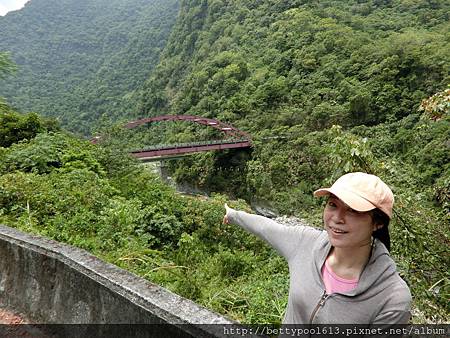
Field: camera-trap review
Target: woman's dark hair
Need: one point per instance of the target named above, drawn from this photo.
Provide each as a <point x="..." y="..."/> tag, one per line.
<point x="379" y="217"/>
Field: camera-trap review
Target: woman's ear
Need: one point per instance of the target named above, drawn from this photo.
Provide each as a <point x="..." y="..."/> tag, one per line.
<point x="377" y="226"/>
<point x="378" y="220"/>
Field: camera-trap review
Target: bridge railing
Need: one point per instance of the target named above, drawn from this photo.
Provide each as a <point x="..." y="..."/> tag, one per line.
<point x="190" y="144"/>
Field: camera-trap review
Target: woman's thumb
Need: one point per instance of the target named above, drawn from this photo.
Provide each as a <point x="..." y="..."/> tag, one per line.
<point x="227" y="208"/>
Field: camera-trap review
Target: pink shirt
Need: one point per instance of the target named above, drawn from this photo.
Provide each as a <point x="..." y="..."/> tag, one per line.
<point x="334" y="283"/>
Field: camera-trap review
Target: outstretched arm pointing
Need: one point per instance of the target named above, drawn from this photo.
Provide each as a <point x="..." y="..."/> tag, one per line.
<point x="284" y="239"/>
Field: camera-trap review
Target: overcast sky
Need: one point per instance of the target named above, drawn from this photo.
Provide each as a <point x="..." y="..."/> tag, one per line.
<point x="10" y="5"/>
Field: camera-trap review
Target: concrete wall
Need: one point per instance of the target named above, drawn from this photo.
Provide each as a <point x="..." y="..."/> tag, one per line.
<point x="49" y="282"/>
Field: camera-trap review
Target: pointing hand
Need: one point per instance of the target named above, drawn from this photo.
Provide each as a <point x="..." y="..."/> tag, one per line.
<point x="225" y="218"/>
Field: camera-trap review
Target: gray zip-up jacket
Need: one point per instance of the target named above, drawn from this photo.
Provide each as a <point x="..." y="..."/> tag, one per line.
<point x="381" y="297"/>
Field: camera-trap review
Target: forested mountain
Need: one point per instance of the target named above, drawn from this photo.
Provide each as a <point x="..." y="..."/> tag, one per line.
<point x="274" y="63"/>
<point x="78" y="59"/>
<point x="323" y="87"/>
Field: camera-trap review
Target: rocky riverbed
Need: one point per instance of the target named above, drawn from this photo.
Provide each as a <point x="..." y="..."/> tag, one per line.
<point x="290" y="220"/>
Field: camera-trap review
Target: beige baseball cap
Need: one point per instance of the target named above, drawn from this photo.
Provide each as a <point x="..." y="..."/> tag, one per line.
<point x="361" y="192"/>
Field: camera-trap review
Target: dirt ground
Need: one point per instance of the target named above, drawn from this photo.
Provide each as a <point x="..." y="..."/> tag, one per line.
<point x="7" y="317"/>
<point x="10" y="327"/>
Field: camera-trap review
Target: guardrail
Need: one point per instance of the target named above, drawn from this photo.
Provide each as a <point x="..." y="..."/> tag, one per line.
<point x="53" y="283"/>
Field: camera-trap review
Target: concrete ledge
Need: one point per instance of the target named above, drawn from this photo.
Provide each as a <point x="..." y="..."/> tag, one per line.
<point x="53" y="283"/>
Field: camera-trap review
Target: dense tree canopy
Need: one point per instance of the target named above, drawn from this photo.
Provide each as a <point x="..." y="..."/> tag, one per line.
<point x="6" y="68"/>
<point x="78" y="60"/>
<point x="276" y="63"/>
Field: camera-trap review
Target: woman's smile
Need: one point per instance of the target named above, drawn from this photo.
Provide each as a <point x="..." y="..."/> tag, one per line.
<point x="337" y="231"/>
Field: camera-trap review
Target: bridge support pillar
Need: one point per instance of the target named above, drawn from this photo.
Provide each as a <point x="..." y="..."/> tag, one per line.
<point x="163" y="171"/>
<point x="161" y="168"/>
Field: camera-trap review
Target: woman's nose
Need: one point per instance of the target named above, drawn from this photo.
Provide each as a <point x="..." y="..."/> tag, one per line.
<point x="339" y="215"/>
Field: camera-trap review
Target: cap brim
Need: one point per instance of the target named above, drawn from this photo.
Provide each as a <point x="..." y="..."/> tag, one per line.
<point x="353" y="200"/>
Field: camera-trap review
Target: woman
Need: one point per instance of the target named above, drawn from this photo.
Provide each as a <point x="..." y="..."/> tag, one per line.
<point x="344" y="274"/>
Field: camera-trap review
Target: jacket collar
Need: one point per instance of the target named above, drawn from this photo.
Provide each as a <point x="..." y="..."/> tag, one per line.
<point x="378" y="268"/>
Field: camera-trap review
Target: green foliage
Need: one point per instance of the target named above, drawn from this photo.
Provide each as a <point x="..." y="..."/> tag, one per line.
<point x="348" y="153"/>
<point x="15" y="127"/>
<point x="52" y="151"/>
<point x="101" y="51"/>
<point x="336" y="62"/>
<point x="6" y="66"/>
<point x="122" y="222"/>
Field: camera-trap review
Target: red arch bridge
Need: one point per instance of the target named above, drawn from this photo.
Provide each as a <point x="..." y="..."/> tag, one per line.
<point x="235" y="138"/>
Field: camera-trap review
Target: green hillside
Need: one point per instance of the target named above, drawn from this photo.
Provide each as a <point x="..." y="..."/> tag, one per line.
<point x="323" y="87"/>
<point x="80" y="59"/>
<point x="282" y="63"/>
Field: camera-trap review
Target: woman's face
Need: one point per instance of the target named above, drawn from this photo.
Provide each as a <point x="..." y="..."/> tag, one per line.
<point x="346" y="227"/>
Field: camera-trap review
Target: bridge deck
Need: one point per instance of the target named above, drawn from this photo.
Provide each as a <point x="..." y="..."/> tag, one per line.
<point x="186" y="148"/>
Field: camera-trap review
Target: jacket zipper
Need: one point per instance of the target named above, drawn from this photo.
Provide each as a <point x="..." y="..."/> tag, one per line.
<point x="319" y="305"/>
